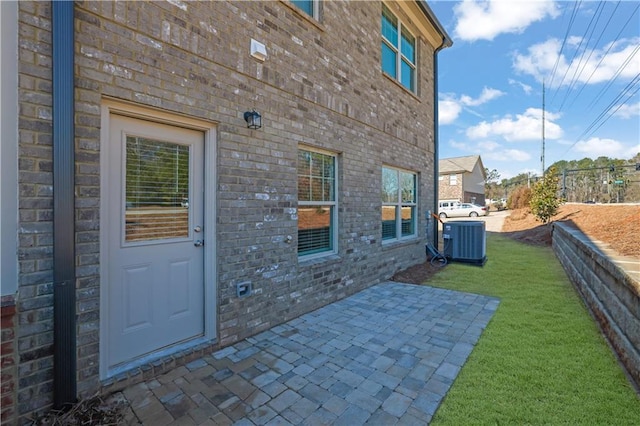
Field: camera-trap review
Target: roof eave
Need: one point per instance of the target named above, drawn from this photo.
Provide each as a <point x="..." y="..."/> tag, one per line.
<point x="446" y="40"/>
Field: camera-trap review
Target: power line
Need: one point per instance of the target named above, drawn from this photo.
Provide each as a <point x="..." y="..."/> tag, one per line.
<point x="591" y="53"/>
<point x="611" y="45"/>
<point x="579" y="48"/>
<point x="555" y="65"/>
<point x="602" y="115"/>
<point x="576" y="76"/>
<point x="564" y="41"/>
<point x="627" y="89"/>
<point x="610" y="82"/>
<point x="621" y="98"/>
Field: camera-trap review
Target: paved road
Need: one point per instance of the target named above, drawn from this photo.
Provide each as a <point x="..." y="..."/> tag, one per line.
<point x="493" y="222"/>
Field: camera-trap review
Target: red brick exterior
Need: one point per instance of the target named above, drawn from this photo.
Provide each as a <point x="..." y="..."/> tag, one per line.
<point x="8" y="361"/>
<point x="446" y="191"/>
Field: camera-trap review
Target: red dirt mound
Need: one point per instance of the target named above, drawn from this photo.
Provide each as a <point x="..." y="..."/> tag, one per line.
<point x="617" y="225"/>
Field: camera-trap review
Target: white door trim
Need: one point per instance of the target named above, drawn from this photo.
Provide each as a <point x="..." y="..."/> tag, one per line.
<point x="109" y="107"/>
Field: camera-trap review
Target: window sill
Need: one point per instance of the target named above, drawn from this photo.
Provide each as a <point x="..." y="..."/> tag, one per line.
<point x="390" y="244"/>
<point x="397" y="83"/>
<point x="313" y="260"/>
<point x="310" y="19"/>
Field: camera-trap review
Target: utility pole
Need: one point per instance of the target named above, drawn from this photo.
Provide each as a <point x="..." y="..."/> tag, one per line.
<point x="542" y="156"/>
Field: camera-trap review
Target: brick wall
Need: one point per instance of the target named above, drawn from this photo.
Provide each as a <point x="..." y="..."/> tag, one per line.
<point x="320" y="86"/>
<point x="34" y="309"/>
<point x="8" y="361"/>
<point x="446" y="191"/>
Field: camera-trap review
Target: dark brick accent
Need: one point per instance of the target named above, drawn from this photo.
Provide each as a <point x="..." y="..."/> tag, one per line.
<point x="8" y="361"/>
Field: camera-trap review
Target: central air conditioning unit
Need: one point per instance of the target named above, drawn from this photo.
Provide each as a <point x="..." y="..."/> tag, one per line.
<point x="465" y="241"/>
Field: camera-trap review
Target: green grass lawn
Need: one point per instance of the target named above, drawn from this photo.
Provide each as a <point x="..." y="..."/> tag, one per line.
<point x="542" y="359"/>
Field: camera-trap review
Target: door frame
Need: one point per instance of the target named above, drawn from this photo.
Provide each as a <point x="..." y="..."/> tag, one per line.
<point x="110" y="107"/>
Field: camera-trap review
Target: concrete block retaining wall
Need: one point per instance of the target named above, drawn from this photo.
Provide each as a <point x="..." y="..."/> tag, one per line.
<point x="612" y="296"/>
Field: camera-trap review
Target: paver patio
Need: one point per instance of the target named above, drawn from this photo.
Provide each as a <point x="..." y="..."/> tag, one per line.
<point x="386" y="355"/>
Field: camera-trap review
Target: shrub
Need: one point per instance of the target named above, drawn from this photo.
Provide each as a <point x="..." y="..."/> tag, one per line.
<point x="544" y="197"/>
<point x="498" y="205"/>
<point x="519" y="198"/>
<point x="517" y="214"/>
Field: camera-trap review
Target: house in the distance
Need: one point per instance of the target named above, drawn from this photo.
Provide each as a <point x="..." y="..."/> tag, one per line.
<point x="462" y="178"/>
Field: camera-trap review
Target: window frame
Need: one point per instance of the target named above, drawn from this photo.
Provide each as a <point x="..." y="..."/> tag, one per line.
<point x="332" y="204"/>
<point x="399" y="204"/>
<point x="396" y="47"/>
<point x="315" y="7"/>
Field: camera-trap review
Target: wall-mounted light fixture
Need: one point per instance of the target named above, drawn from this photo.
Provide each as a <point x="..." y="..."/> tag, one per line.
<point x="253" y="119"/>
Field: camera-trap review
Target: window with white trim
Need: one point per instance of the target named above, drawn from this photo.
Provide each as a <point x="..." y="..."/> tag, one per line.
<point x="317" y="206"/>
<point x="453" y="179"/>
<point x="399" y="204"/>
<point x="310" y="7"/>
<point x="398" y="50"/>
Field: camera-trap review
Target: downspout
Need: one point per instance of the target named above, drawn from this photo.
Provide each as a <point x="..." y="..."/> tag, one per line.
<point x="446" y="42"/>
<point x="64" y="296"/>
<point x="436" y="143"/>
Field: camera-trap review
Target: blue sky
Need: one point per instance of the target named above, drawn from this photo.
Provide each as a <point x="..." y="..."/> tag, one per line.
<point x="490" y="81"/>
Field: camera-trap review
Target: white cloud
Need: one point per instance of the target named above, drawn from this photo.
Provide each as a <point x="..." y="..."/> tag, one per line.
<point x="487" y="95"/>
<point x="591" y="66"/>
<point x="574" y="40"/>
<point x="508" y="155"/>
<point x="628" y="111"/>
<point x="484" y="20"/>
<point x="487" y="146"/>
<point x="541" y="59"/>
<point x="523" y="127"/>
<point x="525" y="87"/>
<point x="461" y="146"/>
<point x="448" y="111"/>
<point x="491" y="150"/>
<point x="597" y="147"/>
<point x="449" y="108"/>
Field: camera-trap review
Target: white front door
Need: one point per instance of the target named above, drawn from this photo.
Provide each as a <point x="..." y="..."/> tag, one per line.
<point x="155" y="237"/>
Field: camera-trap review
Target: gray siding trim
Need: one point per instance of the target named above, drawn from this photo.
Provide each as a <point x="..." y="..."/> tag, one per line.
<point x="9" y="148"/>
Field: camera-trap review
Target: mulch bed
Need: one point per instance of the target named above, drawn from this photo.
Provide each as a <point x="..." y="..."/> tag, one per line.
<point x="90" y="412"/>
<point x="417" y="274"/>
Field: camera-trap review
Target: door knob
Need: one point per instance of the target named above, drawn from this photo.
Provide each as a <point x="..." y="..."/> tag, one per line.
<point x="197" y="228"/>
<point x="199" y="243"/>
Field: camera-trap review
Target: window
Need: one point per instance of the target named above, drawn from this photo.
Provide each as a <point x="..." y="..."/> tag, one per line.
<point x="316" y="202"/>
<point x="398" y="50"/>
<point x="310" y="7"/>
<point x="398" y="204"/>
<point x="157" y="183"/>
<point x="453" y="180"/>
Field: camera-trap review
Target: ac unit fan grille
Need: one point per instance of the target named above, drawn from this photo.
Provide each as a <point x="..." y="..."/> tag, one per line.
<point x="465" y="241"/>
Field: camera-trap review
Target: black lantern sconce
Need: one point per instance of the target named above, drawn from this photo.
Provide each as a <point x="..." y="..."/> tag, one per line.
<point x="253" y="119"/>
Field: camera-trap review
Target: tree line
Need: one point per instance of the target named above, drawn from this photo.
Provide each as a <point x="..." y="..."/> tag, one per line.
<point x="603" y="180"/>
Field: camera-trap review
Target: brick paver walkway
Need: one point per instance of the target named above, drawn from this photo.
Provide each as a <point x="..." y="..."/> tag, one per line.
<point x="387" y="355"/>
